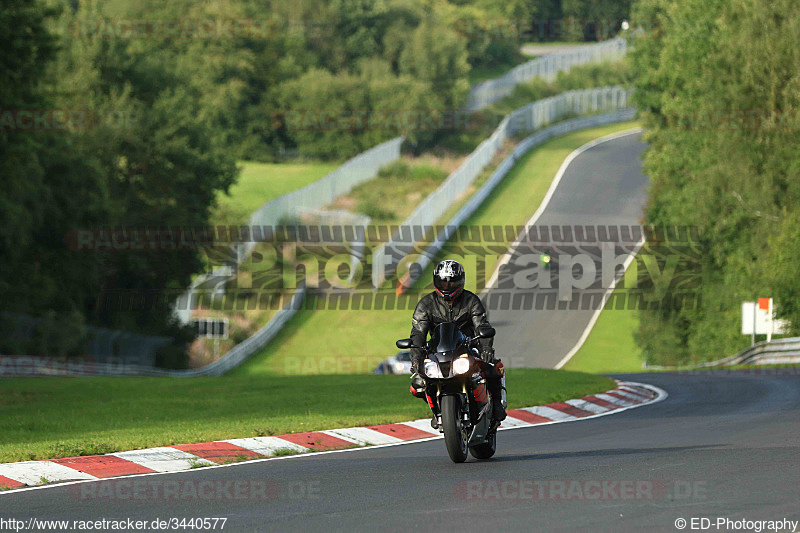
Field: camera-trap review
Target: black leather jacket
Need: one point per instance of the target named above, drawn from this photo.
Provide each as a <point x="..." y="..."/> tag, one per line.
<point x="467" y="311"/>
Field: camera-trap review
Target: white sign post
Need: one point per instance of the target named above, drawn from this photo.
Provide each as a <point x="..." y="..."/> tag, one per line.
<point x="758" y="318"/>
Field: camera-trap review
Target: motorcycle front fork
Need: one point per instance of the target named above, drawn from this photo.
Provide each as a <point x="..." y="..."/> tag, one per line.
<point x="437" y="412"/>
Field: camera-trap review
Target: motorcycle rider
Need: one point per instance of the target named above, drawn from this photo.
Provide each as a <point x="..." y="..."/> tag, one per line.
<point x="451" y="303"/>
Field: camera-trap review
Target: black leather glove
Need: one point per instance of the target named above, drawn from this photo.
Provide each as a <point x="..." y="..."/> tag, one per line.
<point x="417" y="356"/>
<point x="417" y="385"/>
<point x="487" y="354"/>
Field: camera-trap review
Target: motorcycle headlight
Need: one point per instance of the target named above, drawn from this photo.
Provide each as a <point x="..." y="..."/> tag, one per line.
<point x="432" y="370"/>
<point x="461" y="365"/>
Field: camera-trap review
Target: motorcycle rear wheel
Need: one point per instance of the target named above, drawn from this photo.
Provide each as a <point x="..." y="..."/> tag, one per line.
<point x="485" y="450"/>
<point x="455" y="439"/>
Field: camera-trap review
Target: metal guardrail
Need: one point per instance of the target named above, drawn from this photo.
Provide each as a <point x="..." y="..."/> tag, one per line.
<point x="776" y="352"/>
<point x="528" y="118"/>
<point x="546" y="67"/>
<point x="99" y="344"/>
<point x="325" y="190"/>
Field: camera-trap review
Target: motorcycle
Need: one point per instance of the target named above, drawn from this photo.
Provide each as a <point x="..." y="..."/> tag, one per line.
<point x="456" y="391"/>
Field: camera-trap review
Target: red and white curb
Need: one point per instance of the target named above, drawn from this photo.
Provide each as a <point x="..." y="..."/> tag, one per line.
<point x="181" y="457"/>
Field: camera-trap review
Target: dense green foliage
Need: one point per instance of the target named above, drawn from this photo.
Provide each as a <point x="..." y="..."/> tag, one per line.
<point x="142" y="153"/>
<point x="165" y="97"/>
<point x="483" y="123"/>
<point x="719" y="84"/>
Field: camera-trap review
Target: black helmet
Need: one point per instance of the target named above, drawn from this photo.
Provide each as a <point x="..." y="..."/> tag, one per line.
<point x="448" y="278"/>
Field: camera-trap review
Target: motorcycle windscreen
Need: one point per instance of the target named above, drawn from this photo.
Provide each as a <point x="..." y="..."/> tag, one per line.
<point x="448" y="336"/>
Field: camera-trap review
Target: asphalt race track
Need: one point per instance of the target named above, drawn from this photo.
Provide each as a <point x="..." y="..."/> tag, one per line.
<point x="603" y="186"/>
<point x="723" y="445"/>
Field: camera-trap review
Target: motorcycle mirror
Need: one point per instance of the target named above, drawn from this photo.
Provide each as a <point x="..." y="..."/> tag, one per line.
<point x="486" y="333"/>
<point x="404" y="344"/>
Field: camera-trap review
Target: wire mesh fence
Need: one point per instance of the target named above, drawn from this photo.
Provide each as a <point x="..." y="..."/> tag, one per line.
<point x="284" y="209"/>
<point x="547" y="67"/>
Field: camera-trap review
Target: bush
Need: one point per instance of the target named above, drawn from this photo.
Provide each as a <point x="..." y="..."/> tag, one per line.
<point x="372" y="209"/>
<point x="396" y="169"/>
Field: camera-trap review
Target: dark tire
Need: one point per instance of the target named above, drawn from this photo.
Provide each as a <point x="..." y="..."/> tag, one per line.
<point x="485" y="450"/>
<point x="454" y="438"/>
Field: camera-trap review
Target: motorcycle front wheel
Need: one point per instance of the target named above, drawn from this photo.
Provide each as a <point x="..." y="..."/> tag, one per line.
<point x="456" y="438"/>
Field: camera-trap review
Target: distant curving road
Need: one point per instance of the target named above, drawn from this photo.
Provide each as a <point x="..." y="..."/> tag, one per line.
<point x="603" y="186"/>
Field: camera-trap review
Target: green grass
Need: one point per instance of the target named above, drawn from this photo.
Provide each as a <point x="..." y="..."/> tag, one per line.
<point x="395" y="192"/>
<point x="610" y="347"/>
<point x="60" y="417"/>
<point x="355" y="341"/>
<point x="261" y="182"/>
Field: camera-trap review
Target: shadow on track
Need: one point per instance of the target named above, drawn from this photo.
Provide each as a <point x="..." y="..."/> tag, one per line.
<point x="599" y="453"/>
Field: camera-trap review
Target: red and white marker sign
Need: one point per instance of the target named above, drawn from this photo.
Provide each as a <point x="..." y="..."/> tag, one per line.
<point x="758" y="318"/>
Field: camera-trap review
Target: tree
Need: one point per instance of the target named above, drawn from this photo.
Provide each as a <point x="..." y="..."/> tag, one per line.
<point x="717" y="82"/>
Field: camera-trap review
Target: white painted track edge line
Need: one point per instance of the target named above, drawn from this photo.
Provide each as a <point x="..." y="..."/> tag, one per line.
<point x="628" y="260"/>
<point x="599" y="310"/>
<point x="546" y="200"/>
<point x="660" y="396"/>
<point x="538" y="213"/>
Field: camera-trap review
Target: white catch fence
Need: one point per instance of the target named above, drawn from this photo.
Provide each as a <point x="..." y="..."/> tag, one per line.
<point x="366" y="165"/>
<point x="546" y="67"/>
<point x="322" y="192"/>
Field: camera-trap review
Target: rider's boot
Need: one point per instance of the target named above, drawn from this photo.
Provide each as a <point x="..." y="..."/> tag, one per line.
<point x="495" y="386"/>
